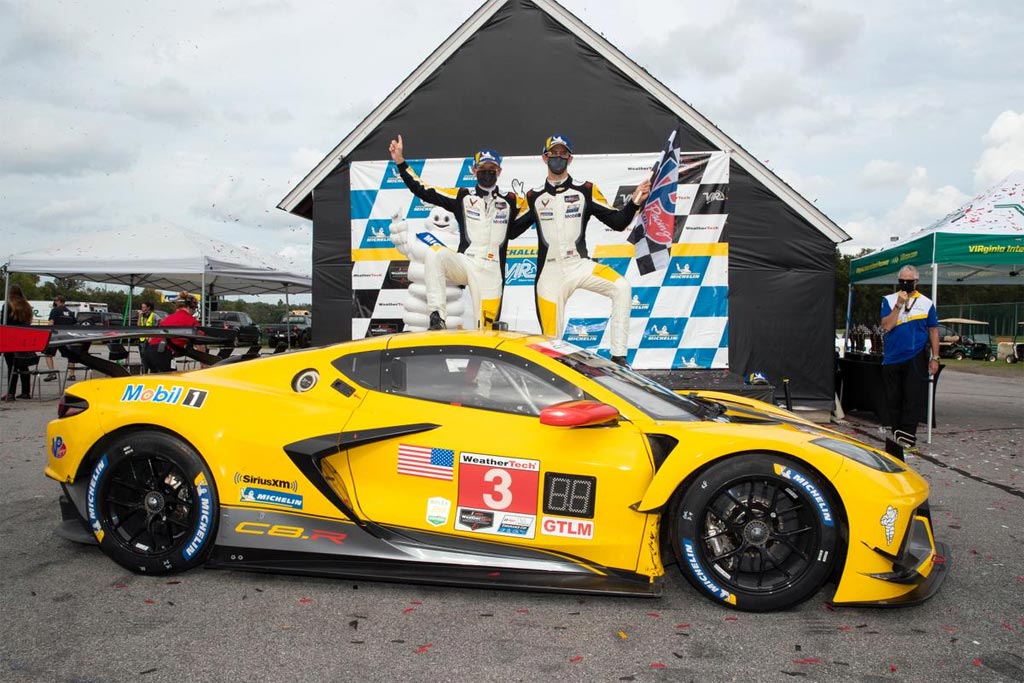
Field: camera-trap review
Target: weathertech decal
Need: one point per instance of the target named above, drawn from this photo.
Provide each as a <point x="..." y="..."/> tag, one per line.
<point x="183" y="396"/>
<point x="702" y="576"/>
<point x="812" y="490"/>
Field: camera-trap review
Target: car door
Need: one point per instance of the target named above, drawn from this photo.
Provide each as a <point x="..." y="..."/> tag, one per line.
<point x="478" y="464"/>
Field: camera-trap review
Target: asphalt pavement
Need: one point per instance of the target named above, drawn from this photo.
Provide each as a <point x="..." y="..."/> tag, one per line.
<point x="68" y="614"/>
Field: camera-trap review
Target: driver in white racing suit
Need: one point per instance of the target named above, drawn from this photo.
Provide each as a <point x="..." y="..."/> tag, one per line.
<point x="484" y="215"/>
<point x="561" y="210"/>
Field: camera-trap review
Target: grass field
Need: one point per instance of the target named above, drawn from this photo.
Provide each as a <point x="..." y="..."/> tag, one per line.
<point x="997" y="368"/>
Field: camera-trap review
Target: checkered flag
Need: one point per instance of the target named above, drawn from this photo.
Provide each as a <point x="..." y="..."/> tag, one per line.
<point x="655" y="223"/>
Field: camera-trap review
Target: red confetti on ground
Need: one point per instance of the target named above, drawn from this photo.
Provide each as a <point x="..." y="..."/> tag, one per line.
<point x="408" y="609"/>
<point x="845" y="628"/>
<point x="172" y="583"/>
<point x="809" y="660"/>
<point x="732" y="619"/>
<point x="1020" y="579"/>
<point x="422" y="649"/>
<point x="682" y="626"/>
<point x="657" y="665"/>
<point x="120" y="585"/>
<point x="149" y="602"/>
<point x="522" y="610"/>
<point x="977" y="662"/>
<point x="830" y="607"/>
<point x="415" y="602"/>
<point x="893" y="668"/>
<point x="950" y="629"/>
<point x="654" y="615"/>
<point x="1008" y="626"/>
<point x="577" y="658"/>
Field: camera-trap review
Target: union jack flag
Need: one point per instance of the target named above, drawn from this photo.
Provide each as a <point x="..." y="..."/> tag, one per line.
<point x="655" y="222"/>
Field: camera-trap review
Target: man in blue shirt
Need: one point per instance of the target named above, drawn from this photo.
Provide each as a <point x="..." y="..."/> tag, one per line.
<point x="911" y="327"/>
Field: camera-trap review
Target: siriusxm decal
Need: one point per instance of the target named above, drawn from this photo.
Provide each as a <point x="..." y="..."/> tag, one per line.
<point x="361" y="203"/>
<point x="466" y="176"/>
<point x="520" y="270"/>
<point x="377" y="234"/>
<point x="90" y="498"/>
<point x="392" y="179"/>
<point x="585" y="332"/>
<point x="619" y="265"/>
<point x="711" y="302"/>
<point x="694" y="358"/>
<point x="251" y="494"/>
<point x="418" y="209"/>
<point x="812" y="490"/>
<point x="643" y="301"/>
<point x="195" y="544"/>
<point x="685" y="271"/>
<point x="663" y="333"/>
<point x="702" y="576"/>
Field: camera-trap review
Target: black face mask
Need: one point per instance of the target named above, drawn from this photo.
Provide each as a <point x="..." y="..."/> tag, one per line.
<point x="908" y="286"/>
<point x="557" y="165"/>
<point x="486" y="179"/>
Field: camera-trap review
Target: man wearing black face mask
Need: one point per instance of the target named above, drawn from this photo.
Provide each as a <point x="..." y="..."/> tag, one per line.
<point x="484" y="215"/>
<point x="561" y="210"/>
<point x="911" y="327"/>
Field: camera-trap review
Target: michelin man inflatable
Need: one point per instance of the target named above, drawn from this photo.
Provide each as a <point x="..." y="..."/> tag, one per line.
<point x="440" y="225"/>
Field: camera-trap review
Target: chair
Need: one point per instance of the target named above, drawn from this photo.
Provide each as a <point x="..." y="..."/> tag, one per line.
<point x="120" y="354"/>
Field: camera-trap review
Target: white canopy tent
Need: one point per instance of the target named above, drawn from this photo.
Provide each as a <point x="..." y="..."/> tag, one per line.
<point x="165" y="257"/>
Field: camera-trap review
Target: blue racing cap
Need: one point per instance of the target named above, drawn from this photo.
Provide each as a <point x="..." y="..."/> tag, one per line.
<point x="555" y="140"/>
<point x="485" y="155"/>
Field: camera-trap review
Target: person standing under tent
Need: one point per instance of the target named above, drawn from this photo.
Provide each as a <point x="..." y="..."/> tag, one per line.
<point x="17" y="311"/>
<point x="561" y="209"/>
<point x="484" y="215"/>
<point x="911" y="334"/>
<point x="63" y="316"/>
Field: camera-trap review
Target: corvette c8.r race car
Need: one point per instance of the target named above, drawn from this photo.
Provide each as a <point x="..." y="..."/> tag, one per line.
<point x="492" y="459"/>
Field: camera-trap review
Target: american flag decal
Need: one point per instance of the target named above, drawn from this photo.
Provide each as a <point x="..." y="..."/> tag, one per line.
<point x="423" y="461"/>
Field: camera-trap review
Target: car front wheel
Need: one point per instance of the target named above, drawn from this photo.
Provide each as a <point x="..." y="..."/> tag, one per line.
<point x="756" y="532"/>
<point x="152" y="504"/>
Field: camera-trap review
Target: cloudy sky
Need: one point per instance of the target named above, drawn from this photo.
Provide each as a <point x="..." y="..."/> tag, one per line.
<point x="113" y="114"/>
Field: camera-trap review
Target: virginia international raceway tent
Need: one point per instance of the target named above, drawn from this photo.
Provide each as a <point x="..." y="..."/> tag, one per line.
<point x="981" y="243"/>
<point x="164" y="257"/>
<point x="544" y="71"/>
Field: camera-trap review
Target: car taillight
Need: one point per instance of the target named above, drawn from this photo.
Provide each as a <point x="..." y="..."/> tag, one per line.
<point x="71" y="405"/>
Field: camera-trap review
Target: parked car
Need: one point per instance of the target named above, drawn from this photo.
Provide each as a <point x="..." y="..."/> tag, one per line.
<point x="293" y="330"/>
<point x="249" y="333"/>
<point x="107" y="318"/>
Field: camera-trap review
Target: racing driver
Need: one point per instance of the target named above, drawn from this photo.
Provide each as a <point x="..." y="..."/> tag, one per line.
<point x="484" y="215"/>
<point x="561" y="210"/>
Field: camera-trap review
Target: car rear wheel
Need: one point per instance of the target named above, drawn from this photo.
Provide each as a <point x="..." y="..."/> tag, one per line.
<point x="756" y="532"/>
<point x="959" y="355"/>
<point x="152" y="505"/>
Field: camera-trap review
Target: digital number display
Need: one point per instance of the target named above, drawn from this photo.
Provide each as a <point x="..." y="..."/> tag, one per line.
<point x="571" y="495"/>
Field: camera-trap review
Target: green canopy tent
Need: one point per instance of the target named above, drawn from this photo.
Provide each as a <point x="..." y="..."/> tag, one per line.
<point x="981" y="243"/>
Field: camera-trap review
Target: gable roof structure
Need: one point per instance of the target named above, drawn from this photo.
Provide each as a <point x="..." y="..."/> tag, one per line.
<point x="298" y="200"/>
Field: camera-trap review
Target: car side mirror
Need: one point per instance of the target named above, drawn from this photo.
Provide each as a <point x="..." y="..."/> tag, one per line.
<point x="578" y="414"/>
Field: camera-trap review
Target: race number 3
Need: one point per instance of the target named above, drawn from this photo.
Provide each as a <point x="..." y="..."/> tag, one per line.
<point x="494" y="483"/>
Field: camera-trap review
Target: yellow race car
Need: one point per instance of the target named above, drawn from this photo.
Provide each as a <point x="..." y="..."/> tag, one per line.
<point x="495" y="459"/>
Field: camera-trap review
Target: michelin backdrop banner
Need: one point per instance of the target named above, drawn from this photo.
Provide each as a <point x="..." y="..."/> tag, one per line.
<point x="680" y="314"/>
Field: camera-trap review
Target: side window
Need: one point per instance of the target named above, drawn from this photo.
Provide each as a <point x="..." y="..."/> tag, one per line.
<point x="362" y="368"/>
<point x="475" y="378"/>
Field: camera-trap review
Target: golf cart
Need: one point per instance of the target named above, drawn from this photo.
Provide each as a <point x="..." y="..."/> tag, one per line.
<point x="1013" y="351"/>
<point x="957" y="344"/>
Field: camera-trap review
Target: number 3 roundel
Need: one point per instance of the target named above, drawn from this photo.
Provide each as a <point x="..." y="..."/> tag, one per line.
<point x="501" y="484"/>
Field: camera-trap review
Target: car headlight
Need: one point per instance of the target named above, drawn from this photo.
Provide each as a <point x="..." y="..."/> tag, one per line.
<point x="862" y="455"/>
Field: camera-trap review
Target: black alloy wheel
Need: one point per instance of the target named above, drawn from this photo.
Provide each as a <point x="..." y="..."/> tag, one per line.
<point x="756" y="532"/>
<point x="152" y="504"/>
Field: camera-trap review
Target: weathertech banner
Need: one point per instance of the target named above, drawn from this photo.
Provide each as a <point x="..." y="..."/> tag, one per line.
<point x="680" y="312"/>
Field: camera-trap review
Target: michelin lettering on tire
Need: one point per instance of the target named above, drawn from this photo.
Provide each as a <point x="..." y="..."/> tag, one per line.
<point x="702" y="576"/>
<point x="198" y="539"/>
<point x="90" y="502"/>
<point x="803" y="482"/>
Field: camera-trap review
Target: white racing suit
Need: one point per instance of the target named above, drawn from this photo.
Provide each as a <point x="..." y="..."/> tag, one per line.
<point x="561" y="213"/>
<point x="484" y="218"/>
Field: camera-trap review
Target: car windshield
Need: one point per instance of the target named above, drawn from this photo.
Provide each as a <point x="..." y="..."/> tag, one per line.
<point x="652" y="398"/>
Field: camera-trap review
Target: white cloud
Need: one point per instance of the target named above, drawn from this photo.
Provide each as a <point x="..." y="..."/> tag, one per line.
<point x="167" y="101"/>
<point x="1004" y="151"/>
<point x="882" y="173"/>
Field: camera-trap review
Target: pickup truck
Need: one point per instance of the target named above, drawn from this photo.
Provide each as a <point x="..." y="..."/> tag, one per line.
<point x="293" y="330"/>
<point x="248" y="331"/>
